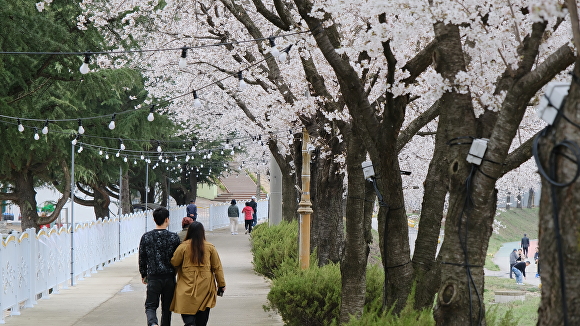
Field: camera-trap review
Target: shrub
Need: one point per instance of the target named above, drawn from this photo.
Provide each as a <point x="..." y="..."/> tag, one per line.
<point x="275" y="249"/>
<point x="307" y="297"/>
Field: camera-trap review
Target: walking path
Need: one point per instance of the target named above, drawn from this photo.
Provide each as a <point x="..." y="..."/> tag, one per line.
<point x="116" y="296"/>
<point x="502" y="260"/>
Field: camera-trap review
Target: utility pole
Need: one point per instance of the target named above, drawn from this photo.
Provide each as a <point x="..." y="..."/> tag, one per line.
<point x="305" y="206"/>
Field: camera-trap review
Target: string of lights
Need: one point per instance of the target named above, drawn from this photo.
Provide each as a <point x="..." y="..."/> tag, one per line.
<point x="150" y="117"/>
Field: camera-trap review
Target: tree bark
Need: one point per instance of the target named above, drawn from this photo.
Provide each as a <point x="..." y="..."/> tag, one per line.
<point x="358" y="219"/>
<point x="126" y="206"/>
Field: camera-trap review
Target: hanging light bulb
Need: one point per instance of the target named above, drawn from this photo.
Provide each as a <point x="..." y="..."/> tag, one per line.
<point x="112" y="123"/>
<point x="151" y="117"/>
<point x="284" y="54"/>
<point x="201" y="165"/>
<point x="85" y="66"/>
<point x="160" y="157"/>
<point x="36" y="136"/>
<point x="135" y="162"/>
<point x="204" y="156"/>
<point x="196" y="101"/>
<point x="232" y="152"/>
<point x="142" y="156"/>
<point x="242" y="84"/>
<point x="80" y="149"/>
<point x="183" y="60"/>
<point x="159" y="147"/>
<point x="118" y="154"/>
<point x="222" y="152"/>
<point x="20" y="126"/>
<point x="100" y="152"/>
<point x="125" y="159"/>
<point x="74" y="141"/>
<point x="273" y="49"/>
<point x="187" y="158"/>
<point x="122" y="146"/>
<point x="106" y="156"/>
<point x="81" y="129"/>
<point x="45" y="128"/>
<point x="193" y="148"/>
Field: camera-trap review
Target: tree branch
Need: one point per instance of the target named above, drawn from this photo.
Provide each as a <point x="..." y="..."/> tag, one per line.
<point x="416" y="125"/>
<point x="519" y="156"/>
<point x="270" y="16"/>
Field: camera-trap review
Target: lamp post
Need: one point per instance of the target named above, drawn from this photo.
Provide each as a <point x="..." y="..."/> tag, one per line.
<point x="305" y="206"/>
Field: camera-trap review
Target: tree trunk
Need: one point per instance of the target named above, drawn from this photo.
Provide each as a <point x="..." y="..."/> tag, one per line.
<point x="559" y="227"/>
<point x="327" y="189"/>
<point x="102" y="201"/>
<point x="126" y="206"/>
<point x="358" y="220"/>
<point x="24" y="187"/>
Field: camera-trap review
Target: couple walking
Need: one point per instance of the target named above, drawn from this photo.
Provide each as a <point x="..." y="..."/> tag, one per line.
<point x="250" y="217"/>
<point x="200" y="276"/>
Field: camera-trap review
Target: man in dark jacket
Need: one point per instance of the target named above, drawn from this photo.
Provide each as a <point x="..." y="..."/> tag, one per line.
<point x="254" y="206"/>
<point x="192" y="210"/>
<point x="155" y="252"/>
<point x="525" y="245"/>
<point x="519" y="270"/>
<point x="513" y="260"/>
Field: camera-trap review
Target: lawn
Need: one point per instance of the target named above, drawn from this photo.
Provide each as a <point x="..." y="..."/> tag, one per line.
<point x="521" y="312"/>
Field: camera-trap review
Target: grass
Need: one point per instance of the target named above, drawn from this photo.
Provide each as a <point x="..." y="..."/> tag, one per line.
<point x="525" y="312"/>
<point x="517" y="221"/>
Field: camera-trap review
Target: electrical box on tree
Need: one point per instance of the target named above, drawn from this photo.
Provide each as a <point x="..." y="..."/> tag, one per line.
<point x="552" y="101"/>
<point x="477" y="150"/>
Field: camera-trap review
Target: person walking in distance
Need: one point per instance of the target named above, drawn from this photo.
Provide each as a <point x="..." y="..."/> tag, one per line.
<point x="519" y="270"/>
<point x="234" y="215"/>
<point x="200" y="277"/>
<point x="248" y="218"/>
<point x="254" y="206"/>
<point x="525" y="244"/>
<point x="513" y="260"/>
<point x="155" y="251"/>
<point x="192" y="210"/>
<point x="185" y="222"/>
<point x="537" y="260"/>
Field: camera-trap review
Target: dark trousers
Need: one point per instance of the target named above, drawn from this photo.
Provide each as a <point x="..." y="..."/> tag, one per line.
<point x="159" y="289"/>
<point x="199" y="319"/>
<point x="511" y="265"/>
<point x="248" y="224"/>
<point x="255" y="221"/>
<point x="525" y="250"/>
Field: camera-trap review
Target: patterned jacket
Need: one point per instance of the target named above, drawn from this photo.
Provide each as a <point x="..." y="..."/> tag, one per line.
<point x="155" y="251"/>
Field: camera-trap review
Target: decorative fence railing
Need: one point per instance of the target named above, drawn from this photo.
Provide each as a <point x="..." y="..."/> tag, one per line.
<point x="34" y="265"/>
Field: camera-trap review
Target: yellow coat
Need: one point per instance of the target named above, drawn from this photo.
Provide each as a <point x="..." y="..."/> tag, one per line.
<point x="196" y="284"/>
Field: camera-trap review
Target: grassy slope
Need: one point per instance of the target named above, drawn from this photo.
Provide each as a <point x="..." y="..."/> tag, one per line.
<point x="517" y="221"/>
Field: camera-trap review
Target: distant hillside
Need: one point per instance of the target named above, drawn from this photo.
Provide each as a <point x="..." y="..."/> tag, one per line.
<point x="517" y="221"/>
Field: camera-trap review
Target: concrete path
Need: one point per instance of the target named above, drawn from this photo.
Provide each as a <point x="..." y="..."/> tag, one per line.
<point x="502" y="260"/>
<point x="116" y="296"/>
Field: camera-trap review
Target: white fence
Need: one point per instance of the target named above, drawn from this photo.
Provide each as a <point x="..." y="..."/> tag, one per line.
<point x="34" y="265"/>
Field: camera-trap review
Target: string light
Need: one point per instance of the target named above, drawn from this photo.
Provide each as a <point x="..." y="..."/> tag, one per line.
<point x="100" y="152"/>
<point x="121" y="146"/>
<point x="125" y="159"/>
<point x="36" y="136"/>
<point x="112" y="123"/>
<point x="45" y="128"/>
<point x="80" y="149"/>
<point x="183" y="60"/>
<point x="85" y="66"/>
<point x="106" y="156"/>
<point x="75" y="140"/>
<point x="151" y="117"/>
<point x="81" y="129"/>
<point x="118" y="154"/>
<point x="284" y="55"/>
<point x="158" y="147"/>
<point x="242" y="84"/>
<point x="196" y="101"/>
<point x="142" y="156"/>
<point x="20" y="126"/>
<point x="273" y="49"/>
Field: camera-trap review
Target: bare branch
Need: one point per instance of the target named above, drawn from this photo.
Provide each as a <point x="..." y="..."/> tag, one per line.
<point x="416" y="125"/>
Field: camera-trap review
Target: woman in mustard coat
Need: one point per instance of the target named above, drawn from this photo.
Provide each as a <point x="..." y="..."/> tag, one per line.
<point x="198" y="270"/>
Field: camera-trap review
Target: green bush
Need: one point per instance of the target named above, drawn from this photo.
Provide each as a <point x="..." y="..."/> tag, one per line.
<point x="307" y="297"/>
<point x="275" y="249"/>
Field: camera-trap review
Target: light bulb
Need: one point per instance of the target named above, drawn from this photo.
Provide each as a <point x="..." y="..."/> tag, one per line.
<point x="159" y="149"/>
<point x="80" y="150"/>
<point x="160" y="157"/>
<point x="187" y="158"/>
<point x="84" y="68"/>
<point x="242" y="85"/>
<point x="107" y="156"/>
<point x="74" y="141"/>
<point x="273" y="49"/>
<point x="232" y="152"/>
<point x="222" y="152"/>
<point x="142" y="156"/>
<point x="283" y="56"/>
<point x="20" y="126"/>
<point x="196" y="103"/>
<point x="122" y="147"/>
<point x="112" y="124"/>
<point x="201" y="165"/>
<point x="36" y="136"/>
<point x="45" y="128"/>
<point x="81" y="130"/>
<point x="135" y="162"/>
<point x="193" y="148"/>
<point x="125" y="158"/>
<point x="182" y="63"/>
<point x="118" y="153"/>
<point x="150" y="117"/>
<point x="100" y="152"/>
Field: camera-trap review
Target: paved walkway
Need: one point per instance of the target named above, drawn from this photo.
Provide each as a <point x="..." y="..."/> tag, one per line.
<point x="502" y="260"/>
<point x="116" y="296"/>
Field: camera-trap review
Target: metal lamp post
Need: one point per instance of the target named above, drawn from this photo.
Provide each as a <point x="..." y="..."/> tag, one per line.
<point x="305" y="206"/>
